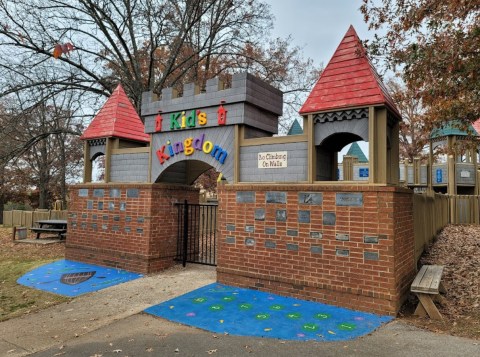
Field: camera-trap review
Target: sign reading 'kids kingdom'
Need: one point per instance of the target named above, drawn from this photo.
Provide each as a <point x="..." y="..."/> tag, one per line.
<point x="189" y="145"/>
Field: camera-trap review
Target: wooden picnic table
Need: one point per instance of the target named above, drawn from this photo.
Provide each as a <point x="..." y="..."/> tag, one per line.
<point x="57" y="226"/>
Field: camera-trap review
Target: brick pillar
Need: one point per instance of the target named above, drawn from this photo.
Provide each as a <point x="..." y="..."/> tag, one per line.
<point x="128" y="226"/>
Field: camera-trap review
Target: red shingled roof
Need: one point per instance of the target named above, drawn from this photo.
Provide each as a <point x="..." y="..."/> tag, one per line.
<point x="476" y="126"/>
<point x="117" y="118"/>
<point x="349" y="80"/>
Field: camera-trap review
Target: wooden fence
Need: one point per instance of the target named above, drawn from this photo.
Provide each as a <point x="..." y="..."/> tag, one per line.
<point x="433" y="212"/>
<point x="28" y="218"/>
<point x="430" y="215"/>
<point x="464" y="209"/>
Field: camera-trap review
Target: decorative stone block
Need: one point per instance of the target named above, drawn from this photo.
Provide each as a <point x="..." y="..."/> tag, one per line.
<point x="141" y="219"/>
<point x="245" y="197"/>
<point x="83" y="192"/>
<point x="329" y="218"/>
<point x="310" y="198"/>
<point x="249" y="242"/>
<point x="74" y="224"/>
<point x="104" y="227"/>
<point x="83" y="225"/>
<point x="105" y="217"/>
<point x="382" y="236"/>
<point x="94" y="217"/>
<point x="140" y="230"/>
<point x="230" y="240"/>
<point x="293" y="247"/>
<point x="342" y="237"/>
<point x="116" y="218"/>
<point x="316" y="249"/>
<point x="111" y="206"/>
<point x="114" y="192"/>
<point x="370" y="239"/>
<point x="128" y="219"/>
<point x="132" y="193"/>
<point x="128" y="229"/>
<point x="89" y="204"/>
<point x="100" y="206"/>
<point x="342" y="252"/>
<point x="270" y="244"/>
<point x="84" y="215"/>
<point x="349" y="199"/>
<point x="231" y="227"/>
<point x="269" y="230"/>
<point x="94" y="226"/>
<point x="275" y="197"/>
<point x="292" y="232"/>
<point x="316" y="235"/>
<point x="370" y="255"/>
<point x="281" y="215"/>
<point x="259" y="214"/>
<point x="123" y="206"/>
<point x="250" y="229"/>
<point x="303" y="216"/>
<point x="98" y="192"/>
<point x="115" y="228"/>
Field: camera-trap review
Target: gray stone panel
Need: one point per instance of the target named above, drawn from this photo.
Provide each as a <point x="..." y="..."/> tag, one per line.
<point x="129" y="167"/>
<point x="329" y="218"/>
<point x="310" y="198"/>
<point x="295" y="171"/>
<point x="371" y="255"/>
<point x="275" y="197"/>
<point x="245" y="197"/>
<point x="349" y="199"/>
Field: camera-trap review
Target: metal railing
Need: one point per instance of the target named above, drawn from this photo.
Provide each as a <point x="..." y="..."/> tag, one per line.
<point x="196" y="233"/>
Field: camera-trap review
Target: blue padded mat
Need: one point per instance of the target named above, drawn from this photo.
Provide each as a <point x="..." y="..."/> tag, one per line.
<point x="69" y="278"/>
<point x="243" y="312"/>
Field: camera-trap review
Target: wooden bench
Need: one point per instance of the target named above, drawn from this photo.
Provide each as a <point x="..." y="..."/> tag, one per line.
<point x="60" y="231"/>
<point x="427" y="286"/>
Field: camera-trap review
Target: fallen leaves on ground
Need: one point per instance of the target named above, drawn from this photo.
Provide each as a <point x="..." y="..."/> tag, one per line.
<point x="457" y="248"/>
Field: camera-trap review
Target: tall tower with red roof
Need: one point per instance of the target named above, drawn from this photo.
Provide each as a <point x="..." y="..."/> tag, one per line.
<point x="117" y="125"/>
<point x="348" y="103"/>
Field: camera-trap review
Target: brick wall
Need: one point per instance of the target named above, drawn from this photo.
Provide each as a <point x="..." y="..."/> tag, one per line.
<point x="350" y="246"/>
<point x="129" y="226"/>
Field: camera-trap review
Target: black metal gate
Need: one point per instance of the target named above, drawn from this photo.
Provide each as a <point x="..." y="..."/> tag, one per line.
<point x="196" y="233"/>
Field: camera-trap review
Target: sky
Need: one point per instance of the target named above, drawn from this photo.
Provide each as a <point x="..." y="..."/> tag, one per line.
<point x="318" y="26"/>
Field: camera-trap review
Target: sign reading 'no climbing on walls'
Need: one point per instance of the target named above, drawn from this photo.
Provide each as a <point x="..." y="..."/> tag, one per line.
<point x="272" y="160"/>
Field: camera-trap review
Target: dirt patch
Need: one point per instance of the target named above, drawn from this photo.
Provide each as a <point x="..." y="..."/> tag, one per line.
<point x="458" y="249"/>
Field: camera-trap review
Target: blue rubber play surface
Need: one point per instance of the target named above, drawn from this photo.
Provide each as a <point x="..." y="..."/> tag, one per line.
<point x="69" y="278"/>
<point x="243" y="312"/>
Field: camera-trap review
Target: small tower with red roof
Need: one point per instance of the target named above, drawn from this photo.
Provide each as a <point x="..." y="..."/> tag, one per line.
<point x="116" y="125"/>
<point x="348" y="103"/>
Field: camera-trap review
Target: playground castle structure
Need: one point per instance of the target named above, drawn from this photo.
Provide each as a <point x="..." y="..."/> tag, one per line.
<point x="285" y="224"/>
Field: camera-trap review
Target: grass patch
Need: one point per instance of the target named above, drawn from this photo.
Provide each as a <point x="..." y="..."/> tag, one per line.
<point x="15" y="299"/>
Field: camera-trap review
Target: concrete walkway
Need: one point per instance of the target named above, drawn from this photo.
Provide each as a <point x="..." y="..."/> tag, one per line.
<point x="110" y="323"/>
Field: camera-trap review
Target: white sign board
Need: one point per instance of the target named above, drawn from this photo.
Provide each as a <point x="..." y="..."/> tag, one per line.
<point x="464" y="174"/>
<point x="272" y="160"/>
